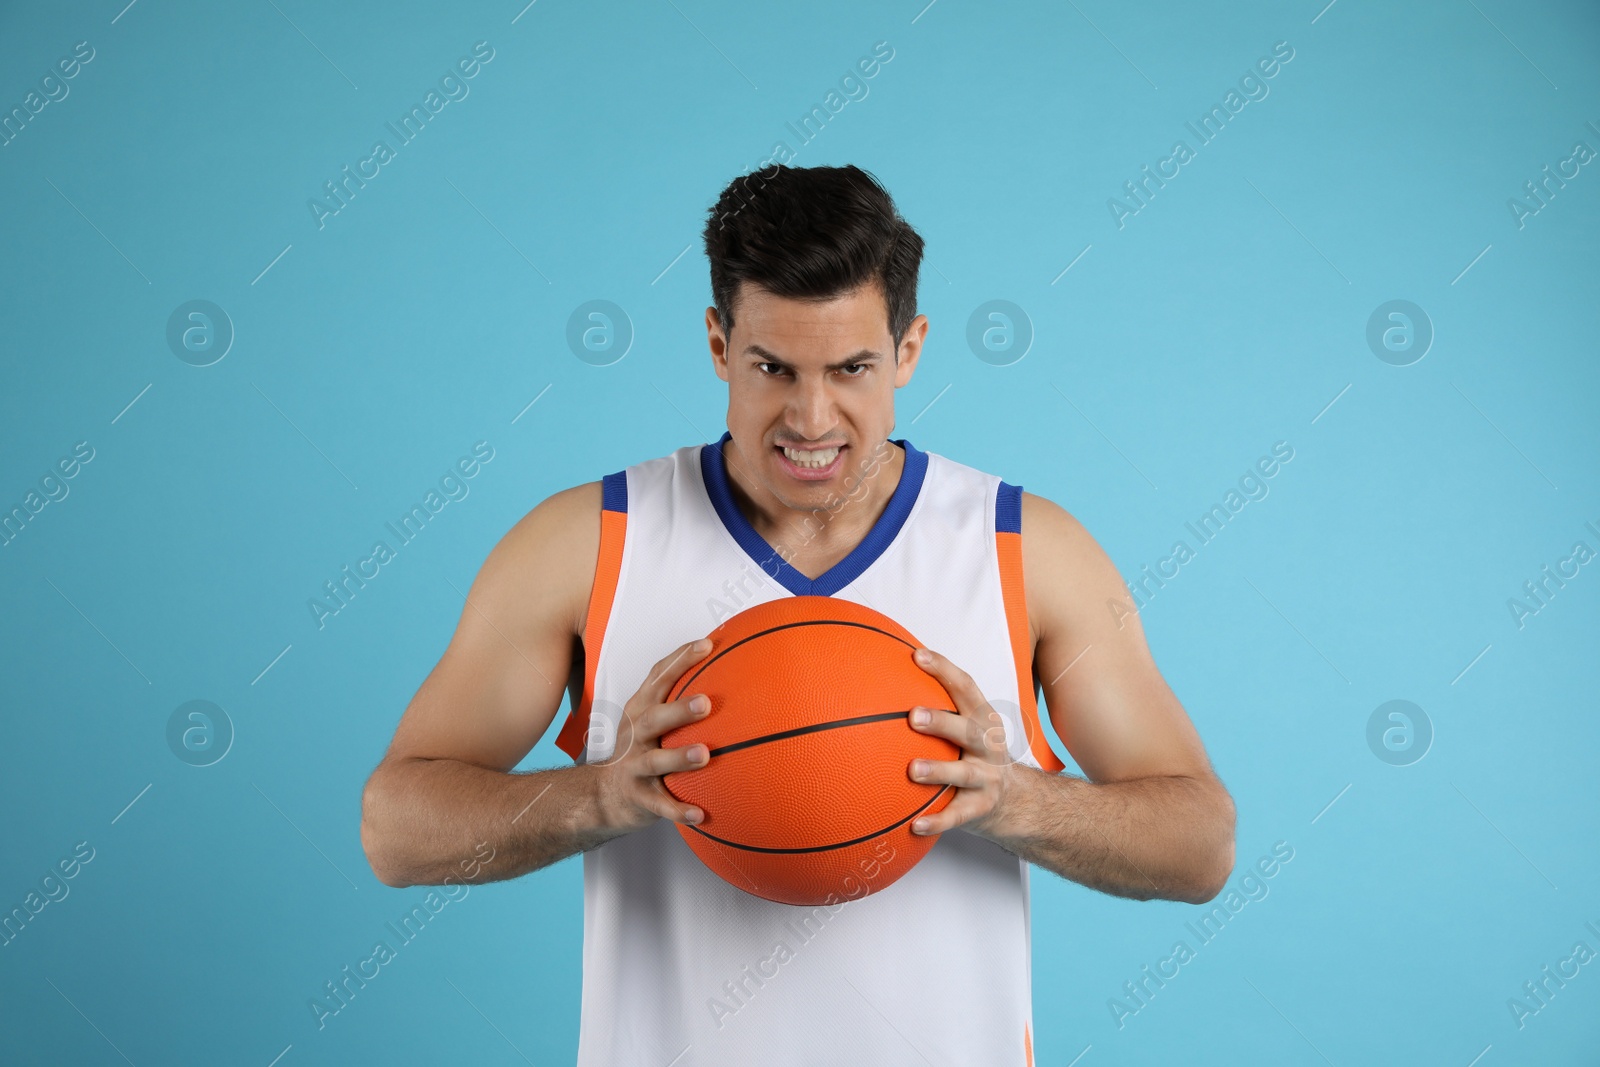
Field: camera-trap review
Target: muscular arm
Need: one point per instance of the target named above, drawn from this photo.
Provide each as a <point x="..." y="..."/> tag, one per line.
<point x="433" y="821"/>
<point x="1165" y="837"/>
<point x="443" y="798"/>
<point x="1151" y="819"/>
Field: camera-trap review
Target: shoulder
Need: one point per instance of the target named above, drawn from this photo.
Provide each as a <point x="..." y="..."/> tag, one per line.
<point x="548" y="559"/>
<point x="1066" y="573"/>
<point x="1045" y="521"/>
<point x="550" y="555"/>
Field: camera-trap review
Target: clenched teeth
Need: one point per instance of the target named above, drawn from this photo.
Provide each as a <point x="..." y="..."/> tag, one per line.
<point x="811" y="459"/>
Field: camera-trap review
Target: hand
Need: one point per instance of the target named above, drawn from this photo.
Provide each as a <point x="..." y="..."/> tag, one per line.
<point x="984" y="773"/>
<point x="632" y="795"/>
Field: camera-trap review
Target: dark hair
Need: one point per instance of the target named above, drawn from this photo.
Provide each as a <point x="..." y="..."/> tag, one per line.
<point x="811" y="233"/>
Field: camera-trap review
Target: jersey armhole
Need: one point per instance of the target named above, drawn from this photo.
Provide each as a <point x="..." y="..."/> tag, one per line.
<point x="1008" y="547"/>
<point x="607" y="569"/>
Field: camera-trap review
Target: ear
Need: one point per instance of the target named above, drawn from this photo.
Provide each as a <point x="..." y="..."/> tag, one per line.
<point x="718" y="342"/>
<point x="911" y="350"/>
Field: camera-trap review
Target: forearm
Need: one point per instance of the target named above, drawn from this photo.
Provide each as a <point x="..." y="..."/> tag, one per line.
<point x="423" y="821"/>
<point x="1167" y="837"/>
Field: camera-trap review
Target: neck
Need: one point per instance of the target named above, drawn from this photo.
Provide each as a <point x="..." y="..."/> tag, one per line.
<point x="835" y="518"/>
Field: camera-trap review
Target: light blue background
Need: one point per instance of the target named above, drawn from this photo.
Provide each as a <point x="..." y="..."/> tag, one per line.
<point x="1223" y="317"/>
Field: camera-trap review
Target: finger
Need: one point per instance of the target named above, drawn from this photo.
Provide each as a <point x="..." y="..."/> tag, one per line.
<point x="662" y="803"/>
<point x="950" y="725"/>
<point x="675" y="760"/>
<point x="963" y="809"/>
<point x="957" y="682"/>
<point x="960" y="773"/>
<point x="983" y="735"/>
<point x="964" y="774"/>
<point x="939" y="665"/>
<point x="665" y="674"/>
<point x="664" y="718"/>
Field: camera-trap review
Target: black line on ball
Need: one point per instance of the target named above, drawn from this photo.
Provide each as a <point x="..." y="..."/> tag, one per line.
<point x="825" y="848"/>
<point x="858" y="720"/>
<point x="684" y="683"/>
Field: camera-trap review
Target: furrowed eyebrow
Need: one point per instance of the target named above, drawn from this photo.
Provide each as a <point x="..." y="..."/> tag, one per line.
<point x="866" y="355"/>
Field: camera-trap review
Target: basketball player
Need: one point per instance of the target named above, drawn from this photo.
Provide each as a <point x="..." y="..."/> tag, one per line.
<point x="605" y="588"/>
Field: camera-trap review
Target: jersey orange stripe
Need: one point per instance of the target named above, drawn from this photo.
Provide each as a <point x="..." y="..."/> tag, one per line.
<point x="1027" y="1043"/>
<point x="1009" y="547"/>
<point x="607" y="568"/>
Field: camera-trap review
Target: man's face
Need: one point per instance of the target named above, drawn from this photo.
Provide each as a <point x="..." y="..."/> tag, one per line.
<point x="815" y="378"/>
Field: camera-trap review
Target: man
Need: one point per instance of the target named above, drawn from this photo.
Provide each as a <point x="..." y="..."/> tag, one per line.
<point x="607" y="585"/>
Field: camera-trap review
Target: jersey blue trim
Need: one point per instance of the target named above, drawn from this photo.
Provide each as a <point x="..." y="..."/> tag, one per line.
<point x="847" y="570"/>
<point x="1008" y="509"/>
<point x="614" y="492"/>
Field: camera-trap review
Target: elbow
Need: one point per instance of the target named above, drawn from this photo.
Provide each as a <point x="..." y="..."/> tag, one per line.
<point x="1206" y="886"/>
<point x="373" y="836"/>
<point x="1215" y="856"/>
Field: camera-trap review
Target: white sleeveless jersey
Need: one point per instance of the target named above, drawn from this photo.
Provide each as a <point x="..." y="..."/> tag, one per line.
<point x="681" y="968"/>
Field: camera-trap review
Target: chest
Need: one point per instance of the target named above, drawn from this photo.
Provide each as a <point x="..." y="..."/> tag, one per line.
<point x="684" y="571"/>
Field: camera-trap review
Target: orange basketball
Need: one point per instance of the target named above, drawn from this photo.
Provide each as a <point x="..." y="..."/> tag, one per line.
<point x="806" y="796"/>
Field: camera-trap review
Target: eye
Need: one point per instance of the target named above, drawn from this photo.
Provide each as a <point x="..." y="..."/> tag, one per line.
<point x="850" y="370"/>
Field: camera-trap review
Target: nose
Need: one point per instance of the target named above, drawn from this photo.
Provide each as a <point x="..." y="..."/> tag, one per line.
<point x="811" y="411"/>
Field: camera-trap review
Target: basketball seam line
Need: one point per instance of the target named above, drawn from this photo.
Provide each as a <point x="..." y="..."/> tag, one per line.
<point x="813" y="728"/>
<point x="826" y="848"/>
<point x="684" y="684"/>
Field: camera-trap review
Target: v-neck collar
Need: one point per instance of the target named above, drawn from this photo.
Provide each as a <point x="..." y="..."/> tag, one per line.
<point x="715" y="474"/>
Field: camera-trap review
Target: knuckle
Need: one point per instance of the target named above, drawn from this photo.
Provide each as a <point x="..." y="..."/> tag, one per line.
<point x="645" y="722"/>
<point x="672" y="809"/>
<point x="658" y="800"/>
<point x="663" y="673"/>
<point x="624" y="747"/>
